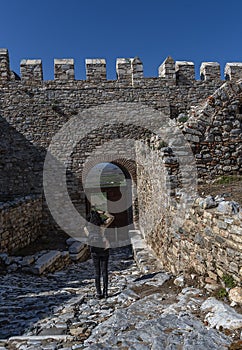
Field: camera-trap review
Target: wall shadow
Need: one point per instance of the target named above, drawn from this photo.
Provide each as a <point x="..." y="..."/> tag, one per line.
<point x="21" y="164"/>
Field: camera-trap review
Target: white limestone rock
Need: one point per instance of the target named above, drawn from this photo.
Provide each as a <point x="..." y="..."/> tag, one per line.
<point x="235" y="295"/>
<point x="179" y="281"/>
<point x="228" y="207"/>
<point x="208" y="202"/>
<point x="221" y="315"/>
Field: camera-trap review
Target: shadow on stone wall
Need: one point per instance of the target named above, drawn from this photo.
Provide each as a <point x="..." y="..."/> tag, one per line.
<point x="21" y="164"/>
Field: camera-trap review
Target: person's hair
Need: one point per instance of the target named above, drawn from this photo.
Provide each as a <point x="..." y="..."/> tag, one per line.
<point x="95" y="218"/>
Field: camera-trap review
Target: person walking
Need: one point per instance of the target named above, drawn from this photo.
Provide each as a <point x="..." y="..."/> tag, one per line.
<point x="99" y="246"/>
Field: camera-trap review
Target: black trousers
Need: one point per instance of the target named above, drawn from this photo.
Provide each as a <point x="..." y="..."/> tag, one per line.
<point x="100" y="261"/>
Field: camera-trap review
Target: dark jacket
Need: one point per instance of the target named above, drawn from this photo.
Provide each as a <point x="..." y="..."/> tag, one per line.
<point x="98" y="243"/>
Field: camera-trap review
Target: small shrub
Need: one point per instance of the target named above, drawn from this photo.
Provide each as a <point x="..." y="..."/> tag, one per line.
<point x="161" y="145"/>
<point x="229" y="281"/>
<point x="221" y="293"/>
<point x="183" y="119"/>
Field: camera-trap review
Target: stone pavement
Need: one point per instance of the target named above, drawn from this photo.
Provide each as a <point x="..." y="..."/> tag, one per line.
<point x="145" y="310"/>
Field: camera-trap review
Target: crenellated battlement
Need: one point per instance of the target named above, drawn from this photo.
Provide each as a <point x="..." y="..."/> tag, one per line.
<point x="64" y="69"/>
<point x="129" y="70"/>
<point x="96" y="69"/>
<point x="31" y="70"/>
<point x="4" y="65"/>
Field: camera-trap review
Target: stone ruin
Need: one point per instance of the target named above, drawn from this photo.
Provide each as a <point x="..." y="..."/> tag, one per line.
<point x="207" y="112"/>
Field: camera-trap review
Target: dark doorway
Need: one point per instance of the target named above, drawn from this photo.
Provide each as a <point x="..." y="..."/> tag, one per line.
<point x="109" y="187"/>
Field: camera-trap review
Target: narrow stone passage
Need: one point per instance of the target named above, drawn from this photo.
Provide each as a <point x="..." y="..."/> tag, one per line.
<point x="143" y="311"/>
<point x="25" y="298"/>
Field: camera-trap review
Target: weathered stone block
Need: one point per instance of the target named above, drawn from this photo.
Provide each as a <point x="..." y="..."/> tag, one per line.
<point x="64" y="69"/>
<point x="81" y="255"/>
<point x="4" y="65"/>
<point x="167" y="69"/>
<point x="221" y="224"/>
<point x="76" y="247"/>
<point x="233" y="71"/>
<point x="210" y="71"/>
<point x="236" y="238"/>
<point x="31" y="70"/>
<point x="96" y="69"/>
<point x="233" y="267"/>
<point x="136" y="68"/>
<point x="124" y="69"/>
<point x="45" y="261"/>
<point x="235" y="295"/>
<point x="185" y="73"/>
<point x="235" y="229"/>
<point x="192" y="138"/>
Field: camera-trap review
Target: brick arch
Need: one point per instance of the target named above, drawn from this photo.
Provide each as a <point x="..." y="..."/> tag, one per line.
<point x="128" y="166"/>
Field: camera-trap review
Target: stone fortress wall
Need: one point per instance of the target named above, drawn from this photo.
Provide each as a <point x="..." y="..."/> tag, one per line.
<point x="207" y="111"/>
<point x="20" y="222"/>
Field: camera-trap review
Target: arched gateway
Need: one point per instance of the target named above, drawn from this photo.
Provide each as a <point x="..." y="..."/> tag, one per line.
<point x="129" y="135"/>
<point x="80" y="123"/>
<point x="110" y="186"/>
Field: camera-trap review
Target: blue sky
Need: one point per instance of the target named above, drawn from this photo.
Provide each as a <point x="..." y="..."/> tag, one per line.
<point x="191" y="30"/>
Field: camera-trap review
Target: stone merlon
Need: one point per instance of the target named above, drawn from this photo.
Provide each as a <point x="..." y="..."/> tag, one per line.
<point x="64" y="69"/>
<point x="4" y="65"/>
<point x="128" y="70"/>
<point x="31" y="70"/>
<point x="95" y="69"/>
<point x="210" y="71"/>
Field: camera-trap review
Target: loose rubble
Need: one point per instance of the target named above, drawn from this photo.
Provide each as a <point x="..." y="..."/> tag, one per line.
<point x="45" y="261"/>
<point x="235" y="295"/>
<point x="221" y="315"/>
<point x="144" y="310"/>
<point x="223" y="205"/>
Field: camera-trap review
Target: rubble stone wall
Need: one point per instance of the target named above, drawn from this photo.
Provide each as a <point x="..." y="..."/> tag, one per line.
<point x="186" y="234"/>
<point x="32" y="111"/>
<point x="208" y="243"/>
<point x="214" y="131"/>
<point x="31" y="115"/>
<point x="20" y="222"/>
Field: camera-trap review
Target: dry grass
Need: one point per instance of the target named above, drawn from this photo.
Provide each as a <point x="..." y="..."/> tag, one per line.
<point x="229" y="186"/>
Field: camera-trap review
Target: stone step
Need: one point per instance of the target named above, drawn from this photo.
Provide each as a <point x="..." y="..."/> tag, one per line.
<point x="45" y="261"/>
<point x="81" y="255"/>
<point x="34" y="338"/>
<point x="76" y="247"/>
<point x="143" y="255"/>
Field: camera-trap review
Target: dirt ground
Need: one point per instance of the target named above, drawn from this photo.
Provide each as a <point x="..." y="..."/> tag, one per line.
<point x="230" y="187"/>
